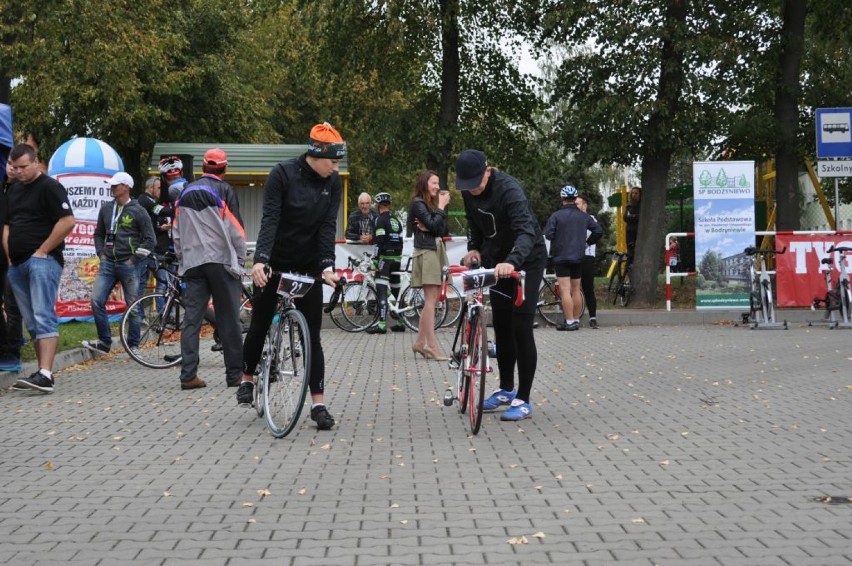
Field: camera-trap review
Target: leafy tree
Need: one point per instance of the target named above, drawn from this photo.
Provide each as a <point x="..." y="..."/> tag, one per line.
<point x="660" y="81"/>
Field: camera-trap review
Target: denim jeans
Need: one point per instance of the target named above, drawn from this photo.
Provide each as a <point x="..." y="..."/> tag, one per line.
<point x="35" y="283"/>
<point x="109" y="274"/>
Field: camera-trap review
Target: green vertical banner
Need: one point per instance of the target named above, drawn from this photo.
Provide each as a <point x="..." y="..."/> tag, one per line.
<point x="724" y="227"/>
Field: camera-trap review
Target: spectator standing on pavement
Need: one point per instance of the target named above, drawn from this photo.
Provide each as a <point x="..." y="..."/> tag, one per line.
<point x="388" y="255"/>
<point x="161" y="220"/>
<point x="11" y="330"/>
<point x="124" y="238"/>
<point x="38" y="217"/>
<point x="631" y="219"/>
<point x="428" y="213"/>
<point x="171" y="169"/>
<point x="566" y="229"/>
<point x="504" y="234"/>
<point x="210" y="243"/>
<point x="587" y="279"/>
<point x="300" y="203"/>
<point x="361" y="227"/>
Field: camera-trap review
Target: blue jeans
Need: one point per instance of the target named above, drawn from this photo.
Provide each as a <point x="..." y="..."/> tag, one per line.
<point x="35" y="283"/>
<point x="109" y="274"/>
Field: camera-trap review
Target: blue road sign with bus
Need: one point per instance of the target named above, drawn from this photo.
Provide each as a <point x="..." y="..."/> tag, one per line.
<point x="833" y="132"/>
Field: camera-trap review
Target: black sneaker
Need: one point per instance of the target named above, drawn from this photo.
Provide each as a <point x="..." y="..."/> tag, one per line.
<point x="217" y="347"/>
<point x="398" y="327"/>
<point x="321" y="416"/>
<point x="171" y="358"/>
<point x="245" y="394"/>
<point x="376" y="330"/>
<point x="562" y="326"/>
<point x="593" y="323"/>
<point x="573" y="326"/>
<point x="37" y="381"/>
<point x="96" y="346"/>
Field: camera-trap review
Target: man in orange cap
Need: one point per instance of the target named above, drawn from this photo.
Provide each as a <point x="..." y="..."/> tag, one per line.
<point x="297" y="232"/>
<point x="210" y="244"/>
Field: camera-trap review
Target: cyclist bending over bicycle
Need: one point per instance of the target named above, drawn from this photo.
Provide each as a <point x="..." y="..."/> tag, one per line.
<point x="388" y="256"/>
<point x="300" y="202"/>
<point x="503" y="233"/>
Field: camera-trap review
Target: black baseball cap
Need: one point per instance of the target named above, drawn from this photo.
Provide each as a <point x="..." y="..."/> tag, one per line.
<point x="470" y="168"/>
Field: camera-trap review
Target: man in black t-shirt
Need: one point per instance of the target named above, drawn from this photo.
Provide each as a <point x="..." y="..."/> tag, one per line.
<point x="38" y="218"/>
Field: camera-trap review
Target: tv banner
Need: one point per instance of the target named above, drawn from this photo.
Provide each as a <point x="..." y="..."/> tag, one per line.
<point x="798" y="272"/>
<point x="724" y="227"/>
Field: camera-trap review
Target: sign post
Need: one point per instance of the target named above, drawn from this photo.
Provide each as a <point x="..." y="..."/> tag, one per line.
<point x="834" y="140"/>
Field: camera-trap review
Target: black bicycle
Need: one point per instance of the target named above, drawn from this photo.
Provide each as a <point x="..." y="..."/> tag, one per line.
<point x="162" y="317"/>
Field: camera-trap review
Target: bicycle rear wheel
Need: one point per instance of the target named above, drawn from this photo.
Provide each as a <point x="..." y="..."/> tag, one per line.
<point x="452" y="304"/>
<point x="159" y="330"/>
<point x="549" y="304"/>
<point x="245" y="315"/>
<point x="477" y="370"/>
<point x="411" y="299"/>
<point x="286" y="383"/>
<point x="359" y="305"/>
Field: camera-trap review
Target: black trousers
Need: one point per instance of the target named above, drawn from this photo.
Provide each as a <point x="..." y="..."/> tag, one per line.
<point x="587" y="282"/>
<point x="513" y="332"/>
<point x="263" y="310"/>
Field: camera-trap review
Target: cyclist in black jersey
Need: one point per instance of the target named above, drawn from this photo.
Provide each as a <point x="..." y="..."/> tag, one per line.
<point x="387" y="257"/>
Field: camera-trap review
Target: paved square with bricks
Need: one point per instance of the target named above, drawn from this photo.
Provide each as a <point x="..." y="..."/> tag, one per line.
<point x="688" y="444"/>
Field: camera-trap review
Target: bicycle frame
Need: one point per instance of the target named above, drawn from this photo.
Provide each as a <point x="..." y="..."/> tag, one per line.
<point x="762" y="311"/>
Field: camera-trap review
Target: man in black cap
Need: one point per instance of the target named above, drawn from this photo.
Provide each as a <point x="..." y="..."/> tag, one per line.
<point x="503" y="234"/>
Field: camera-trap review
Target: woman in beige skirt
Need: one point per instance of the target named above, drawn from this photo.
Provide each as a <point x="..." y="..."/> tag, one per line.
<point x="428" y="213"/>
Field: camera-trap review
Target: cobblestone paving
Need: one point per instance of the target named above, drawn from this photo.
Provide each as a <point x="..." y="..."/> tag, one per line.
<point x="649" y="445"/>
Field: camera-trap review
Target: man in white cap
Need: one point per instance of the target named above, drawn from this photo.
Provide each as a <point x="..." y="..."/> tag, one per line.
<point x="124" y="237"/>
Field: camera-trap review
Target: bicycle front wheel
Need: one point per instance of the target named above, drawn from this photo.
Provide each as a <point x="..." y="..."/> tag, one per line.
<point x="359" y="305"/>
<point x="614" y="286"/>
<point x="549" y="304"/>
<point x="477" y="370"/>
<point x="286" y="382"/>
<point x="159" y="330"/>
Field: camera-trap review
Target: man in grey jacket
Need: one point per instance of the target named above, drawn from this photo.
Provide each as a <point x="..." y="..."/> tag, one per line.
<point x="210" y="243"/>
<point x="124" y="237"/>
<point x="566" y="229"/>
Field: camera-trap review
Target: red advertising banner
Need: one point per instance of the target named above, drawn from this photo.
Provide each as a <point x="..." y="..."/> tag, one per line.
<point x="798" y="275"/>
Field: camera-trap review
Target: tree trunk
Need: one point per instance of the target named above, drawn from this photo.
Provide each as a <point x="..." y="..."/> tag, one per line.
<point x="787" y="115"/>
<point x="5" y="88"/>
<point x="656" y="158"/>
<point x="440" y="154"/>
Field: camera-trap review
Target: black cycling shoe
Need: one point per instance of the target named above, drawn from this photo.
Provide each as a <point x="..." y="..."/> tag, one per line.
<point x="399" y="327"/>
<point x="321" y="416"/>
<point x="376" y="330"/>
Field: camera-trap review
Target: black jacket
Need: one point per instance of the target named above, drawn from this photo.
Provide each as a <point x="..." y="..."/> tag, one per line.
<point x="566" y="229"/>
<point x="388" y="235"/>
<point x="435" y="221"/>
<point x="501" y="224"/>
<point x="299" y="218"/>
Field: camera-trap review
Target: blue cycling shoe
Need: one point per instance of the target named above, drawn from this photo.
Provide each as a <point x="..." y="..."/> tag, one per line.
<point x="498" y="399"/>
<point x="518" y="411"/>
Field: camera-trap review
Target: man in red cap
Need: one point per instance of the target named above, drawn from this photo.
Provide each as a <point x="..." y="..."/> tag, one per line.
<point x="297" y="231"/>
<point x="210" y="243"/>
